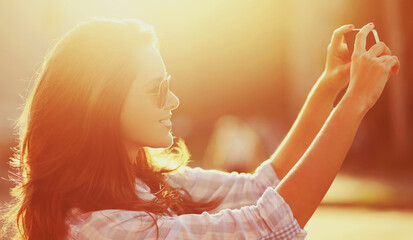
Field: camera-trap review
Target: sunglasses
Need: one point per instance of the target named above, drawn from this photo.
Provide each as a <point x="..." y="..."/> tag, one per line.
<point x="162" y="91"/>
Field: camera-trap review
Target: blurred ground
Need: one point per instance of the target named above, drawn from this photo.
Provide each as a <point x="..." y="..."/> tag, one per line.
<point x="341" y="223"/>
<point x="370" y="207"/>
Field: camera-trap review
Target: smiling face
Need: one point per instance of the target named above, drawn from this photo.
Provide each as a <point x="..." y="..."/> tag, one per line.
<point x="141" y="116"/>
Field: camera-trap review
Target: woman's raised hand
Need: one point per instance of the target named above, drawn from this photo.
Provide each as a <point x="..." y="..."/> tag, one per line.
<point x="338" y="61"/>
<point x="370" y="69"/>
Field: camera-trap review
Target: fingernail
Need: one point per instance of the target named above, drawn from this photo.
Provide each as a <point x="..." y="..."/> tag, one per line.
<point x="371" y="23"/>
<point x="350" y="25"/>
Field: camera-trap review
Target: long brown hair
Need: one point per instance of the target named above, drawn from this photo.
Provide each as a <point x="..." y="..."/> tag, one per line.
<point x="70" y="152"/>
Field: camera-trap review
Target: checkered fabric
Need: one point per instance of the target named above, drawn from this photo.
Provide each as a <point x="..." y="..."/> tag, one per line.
<point x="251" y="209"/>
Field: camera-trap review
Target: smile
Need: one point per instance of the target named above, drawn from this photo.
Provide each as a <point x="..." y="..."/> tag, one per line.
<point x="167" y="123"/>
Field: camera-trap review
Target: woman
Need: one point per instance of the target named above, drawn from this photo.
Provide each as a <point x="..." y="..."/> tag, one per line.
<point x="88" y="160"/>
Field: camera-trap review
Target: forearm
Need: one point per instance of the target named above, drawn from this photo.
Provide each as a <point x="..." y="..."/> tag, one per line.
<point x="311" y="118"/>
<point x="305" y="185"/>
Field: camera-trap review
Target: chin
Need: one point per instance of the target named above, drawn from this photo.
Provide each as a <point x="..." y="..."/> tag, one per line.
<point x="166" y="142"/>
<point x="169" y="141"/>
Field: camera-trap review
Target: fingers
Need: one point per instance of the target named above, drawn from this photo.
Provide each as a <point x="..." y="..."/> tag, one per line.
<point x="338" y="34"/>
<point x="391" y="63"/>
<point x="379" y="49"/>
<point x="396" y="66"/>
<point x="360" y="42"/>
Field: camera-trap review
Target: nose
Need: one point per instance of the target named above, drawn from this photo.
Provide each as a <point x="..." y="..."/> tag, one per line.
<point x="172" y="101"/>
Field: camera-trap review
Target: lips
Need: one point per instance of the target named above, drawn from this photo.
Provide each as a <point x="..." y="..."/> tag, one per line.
<point x="166" y="121"/>
<point x="166" y="118"/>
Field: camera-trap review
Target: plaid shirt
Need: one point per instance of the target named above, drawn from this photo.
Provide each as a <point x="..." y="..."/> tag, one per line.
<point x="251" y="209"/>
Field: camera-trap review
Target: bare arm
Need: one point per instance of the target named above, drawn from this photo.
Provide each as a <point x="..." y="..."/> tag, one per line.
<point x="317" y="106"/>
<point x="311" y="118"/>
<point x="305" y="185"/>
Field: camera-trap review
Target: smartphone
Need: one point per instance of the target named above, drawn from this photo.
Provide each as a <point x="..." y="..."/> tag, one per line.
<point x="350" y="37"/>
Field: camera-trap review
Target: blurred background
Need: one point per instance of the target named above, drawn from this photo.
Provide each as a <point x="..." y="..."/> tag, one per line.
<point x="242" y="70"/>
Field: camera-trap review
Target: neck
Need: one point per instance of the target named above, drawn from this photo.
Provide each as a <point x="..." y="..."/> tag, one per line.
<point x="132" y="150"/>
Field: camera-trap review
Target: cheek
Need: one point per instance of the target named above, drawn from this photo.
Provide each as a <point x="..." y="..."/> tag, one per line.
<point x="139" y="121"/>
